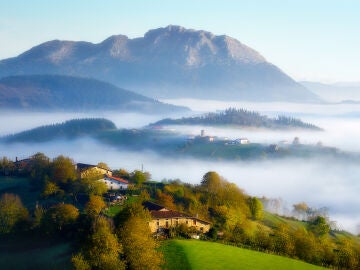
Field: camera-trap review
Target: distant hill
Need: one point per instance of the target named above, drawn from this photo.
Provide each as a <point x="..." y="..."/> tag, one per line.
<point x="68" y="130"/>
<point x="241" y="118"/>
<point x="65" y="93"/>
<point x="170" y="62"/>
<point x="338" y="92"/>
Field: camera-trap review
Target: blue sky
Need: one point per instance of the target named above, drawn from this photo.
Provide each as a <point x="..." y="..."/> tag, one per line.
<point x="310" y="40"/>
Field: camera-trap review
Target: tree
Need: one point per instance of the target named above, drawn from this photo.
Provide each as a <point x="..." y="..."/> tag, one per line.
<point x="103" y="165"/>
<point x="7" y="167"/>
<point x="256" y="208"/>
<point x="39" y="212"/>
<point x="12" y="212"/>
<point x="319" y="226"/>
<point x="103" y="249"/>
<point x="165" y="199"/>
<point x="92" y="187"/>
<point x="60" y="216"/>
<point x="301" y="210"/>
<point x="38" y="169"/>
<point x="138" y="177"/>
<point x="62" y="170"/>
<point x="94" y="206"/>
<point x="51" y="189"/>
<point x="135" y="209"/>
<point x="140" y="248"/>
<point x="122" y="173"/>
<point x="79" y="263"/>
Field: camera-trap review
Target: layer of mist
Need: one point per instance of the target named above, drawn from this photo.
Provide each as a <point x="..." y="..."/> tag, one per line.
<point x="321" y="183"/>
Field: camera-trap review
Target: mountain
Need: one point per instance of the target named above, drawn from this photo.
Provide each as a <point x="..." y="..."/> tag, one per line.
<point x="65" y="93"/>
<point x="337" y="92"/>
<point x="240" y="118"/>
<point x="170" y="62"/>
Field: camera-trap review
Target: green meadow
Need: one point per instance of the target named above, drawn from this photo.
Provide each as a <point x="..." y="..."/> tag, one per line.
<point x="195" y="254"/>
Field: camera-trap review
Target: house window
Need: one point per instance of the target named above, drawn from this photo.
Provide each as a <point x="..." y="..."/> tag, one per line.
<point x="167" y="224"/>
<point x="158" y="223"/>
<point x="194" y="221"/>
<point x="187" y="222"/>
<point x="177" y="222"/>
<point x="201" y="228"/>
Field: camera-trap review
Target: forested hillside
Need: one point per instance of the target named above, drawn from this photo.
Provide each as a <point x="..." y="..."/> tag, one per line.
<point x="241" y="118"/>
<point x="68" y="130"/>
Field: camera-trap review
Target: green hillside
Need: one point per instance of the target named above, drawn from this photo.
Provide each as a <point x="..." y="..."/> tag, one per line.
<point x="240" y="118"/>
<point x="194" y="254"/>
<point x="70" y="129"/>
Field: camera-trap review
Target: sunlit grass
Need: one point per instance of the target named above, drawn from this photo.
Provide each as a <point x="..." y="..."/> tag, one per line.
<point x="194" y="254"/>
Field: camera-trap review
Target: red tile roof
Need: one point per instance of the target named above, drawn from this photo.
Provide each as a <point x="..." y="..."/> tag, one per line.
<point x="157" y="212"/>
<point x="117" y="179"/>
<point x="168" y="214"/>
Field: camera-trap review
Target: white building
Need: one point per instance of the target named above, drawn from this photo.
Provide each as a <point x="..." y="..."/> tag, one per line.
<point x="115" y="182"/>
<point x="242" y="141"/>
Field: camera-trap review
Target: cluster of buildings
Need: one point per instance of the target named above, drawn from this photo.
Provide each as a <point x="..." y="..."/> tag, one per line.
<point x="162" y="218"/>
<point x="205" y="138"/>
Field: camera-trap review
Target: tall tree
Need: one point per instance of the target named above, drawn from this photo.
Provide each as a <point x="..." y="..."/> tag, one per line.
<point x="103" y="248"/>
<point x="12" y="212"/>
<point x="140" y="248"/>
<point x="256" y="208"/>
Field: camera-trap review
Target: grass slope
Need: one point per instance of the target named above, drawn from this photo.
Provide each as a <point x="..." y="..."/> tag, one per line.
<point x="194" y="254"/>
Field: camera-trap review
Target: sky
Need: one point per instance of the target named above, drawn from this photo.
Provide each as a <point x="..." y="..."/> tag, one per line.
<point x="314" y="40"/>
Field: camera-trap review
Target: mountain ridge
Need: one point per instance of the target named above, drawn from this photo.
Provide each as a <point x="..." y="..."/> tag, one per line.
<point x="169" y="62"/>
<point x="69" y="93"/>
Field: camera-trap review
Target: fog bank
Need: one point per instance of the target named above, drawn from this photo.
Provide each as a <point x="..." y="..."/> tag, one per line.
<point x="320" y="183"/>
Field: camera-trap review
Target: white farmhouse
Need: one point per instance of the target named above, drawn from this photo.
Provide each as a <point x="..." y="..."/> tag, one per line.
<point x="115" y="182"/>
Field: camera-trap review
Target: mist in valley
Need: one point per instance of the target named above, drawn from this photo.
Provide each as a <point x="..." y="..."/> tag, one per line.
<point x="325" y="182"/>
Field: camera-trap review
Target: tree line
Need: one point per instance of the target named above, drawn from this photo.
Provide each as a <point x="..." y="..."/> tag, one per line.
<point x="240" y="117"/>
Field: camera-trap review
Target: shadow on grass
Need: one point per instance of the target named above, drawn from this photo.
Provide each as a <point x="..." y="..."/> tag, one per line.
<point x="175" y="256"/>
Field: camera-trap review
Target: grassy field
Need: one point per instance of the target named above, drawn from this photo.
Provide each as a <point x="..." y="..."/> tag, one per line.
<point x="195" y="254"/>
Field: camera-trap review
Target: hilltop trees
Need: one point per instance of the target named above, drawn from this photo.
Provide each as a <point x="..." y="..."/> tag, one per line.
<point x="7" y="166"/>
<point x="63" y="170"/>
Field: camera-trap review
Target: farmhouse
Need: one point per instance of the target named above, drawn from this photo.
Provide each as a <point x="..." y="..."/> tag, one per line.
<point x="115" y="182"/>
<point x="83" y="169"/>
<point x="163" y="218"/>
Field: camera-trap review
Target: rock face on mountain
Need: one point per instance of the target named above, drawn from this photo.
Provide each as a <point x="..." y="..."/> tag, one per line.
<point x="170" y="62"/>
<point x="65" y="93"/>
